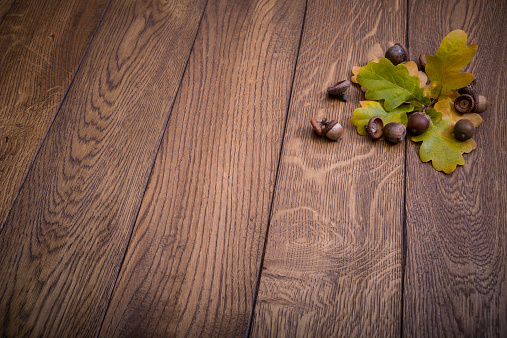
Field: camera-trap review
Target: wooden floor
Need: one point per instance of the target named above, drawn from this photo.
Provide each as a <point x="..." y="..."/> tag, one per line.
<point x="159" y="175"/>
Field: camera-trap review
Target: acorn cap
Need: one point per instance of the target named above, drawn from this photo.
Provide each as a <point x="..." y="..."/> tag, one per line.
<point x="471" y="89"/>
<point x="317" y="126"/>
<point x="329" y="126"/>
<point x="339" y="88"/>
<point x="375" y="128"/>
<point x="464" y="104"/>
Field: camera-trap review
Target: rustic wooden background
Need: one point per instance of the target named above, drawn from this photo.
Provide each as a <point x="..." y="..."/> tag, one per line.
<point x="159" y="176"/>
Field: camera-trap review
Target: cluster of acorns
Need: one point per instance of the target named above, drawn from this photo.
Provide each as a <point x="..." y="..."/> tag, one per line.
<point x="332" y="129"/>
<point x="418" y="122"/>
<point x="468" y="102"/>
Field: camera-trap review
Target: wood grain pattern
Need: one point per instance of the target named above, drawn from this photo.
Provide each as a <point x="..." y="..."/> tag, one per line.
<point x="195" y="252"/>
<point x="41" y="44"/>
<point x="456" y="274"/>
<point x="5" y="5"/>
<point x="332" y="265"/>
<point x="65" y="237"/>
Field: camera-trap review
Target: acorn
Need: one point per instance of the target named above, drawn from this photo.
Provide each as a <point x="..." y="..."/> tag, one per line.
<point x="464" y="130"/>
<point x="471" y="89"/>
<point x="395" y="132"/>
<point x="481" y="104"/>
<point x="338" y="89"/>
<point x="397" y="54"/>
<point x="332" y="129"/>
<point x="418" y="123"/>
<point x="464" y="103"/>
<point x="422" y="61"/>
<point x="375" y="128"/>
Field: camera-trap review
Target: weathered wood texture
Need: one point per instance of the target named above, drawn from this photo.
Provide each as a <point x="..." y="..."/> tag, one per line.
<point x="195" y="252"/>
<point x="332" y="265"/>
<point x="67" y="233"/>
<point x="41" y="44"/>
<point x="5" y="5"/>
<point x="456" y="272"/>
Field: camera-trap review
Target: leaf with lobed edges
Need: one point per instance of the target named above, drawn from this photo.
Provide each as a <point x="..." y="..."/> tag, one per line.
<point x="439" y="145"/>
<point x="390" y="83"/>
<point x="443" y="69"/>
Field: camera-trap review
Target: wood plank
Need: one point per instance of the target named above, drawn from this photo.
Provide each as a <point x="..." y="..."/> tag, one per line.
<point x="456" y="273"/>
<point x="5" y="5"/>
<point x="332" y="265"/>
<point x="67" y="233"/>
<point x="195" y="252"/>
<point x="41" y="44"/>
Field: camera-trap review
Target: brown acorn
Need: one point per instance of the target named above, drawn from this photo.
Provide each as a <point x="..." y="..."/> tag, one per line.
<point x="418" y="123"/>
<point x="332" y="129"/>
<point x="339" y="89"/>
<point x="397" y="54"/>
<point x="395" y="132"/>
<point x="422" y="61"/>
<point x="375" y="128"/>
<point x="481" y="104"/>
<point x="464" y="130"/>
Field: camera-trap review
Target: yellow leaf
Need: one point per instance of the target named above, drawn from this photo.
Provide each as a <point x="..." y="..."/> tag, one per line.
<point x="443" y="69"/>
<point x="423" y="78"/>
<point x="439" y="145"/>
<point x="412" y="68"/>
<point x="355" y="71"/>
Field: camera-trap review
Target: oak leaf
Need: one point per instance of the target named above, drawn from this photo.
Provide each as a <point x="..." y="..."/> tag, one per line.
<point x="394" y="84"/>
<point x="356" y="69"/>
<point x="369" y="109"/>
<point x="443" y="69"/>
<point x="412" y="68"/>
<point x="439" y="145"/>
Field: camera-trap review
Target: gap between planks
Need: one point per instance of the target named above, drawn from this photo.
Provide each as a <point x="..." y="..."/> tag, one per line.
<point x="150" y="171"/>
<point x="259" y="274"/>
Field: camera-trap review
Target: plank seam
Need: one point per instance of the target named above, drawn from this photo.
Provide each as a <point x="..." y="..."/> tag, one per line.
<point x="404" y="211"/>
<point x="7" y="11"/>
<point x="259" y="272"/>
<point x="2" y="224"/>
<point x="150" y="172"/>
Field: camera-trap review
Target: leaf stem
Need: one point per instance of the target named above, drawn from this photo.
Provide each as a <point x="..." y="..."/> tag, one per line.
<point x="430" y="105"/>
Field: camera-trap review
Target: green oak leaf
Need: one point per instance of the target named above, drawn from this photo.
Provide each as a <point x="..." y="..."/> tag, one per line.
<point x="394" y="84"/>
<point x="372" y="108"/>
<point x="439" y="145"/>
<point x="443" y="69"/>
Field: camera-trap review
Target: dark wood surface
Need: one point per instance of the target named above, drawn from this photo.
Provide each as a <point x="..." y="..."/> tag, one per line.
<point x="5" y="5"/>
<point x="65" y="238"/>
<point x="41" y="44"/>
<point x="170" y="183"/>
<point x="456" y="237"/>
<point x="332" y="265"/>
<point x="201" y="227"/>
